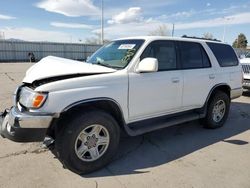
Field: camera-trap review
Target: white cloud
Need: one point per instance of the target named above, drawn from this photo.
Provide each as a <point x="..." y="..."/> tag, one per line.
<point x="71" y="8"/>
<point x="130" y="29"/>
<point x="242" y="18"/>
<point x="208" y="4"/>
<point x="133" y="14"/>
<point x="31" y="34"/>
<point x="6" y="17"/>
<point x="71" y="25"/>
<point x="146" y="26"/>
<point x="178" y="15"/>
<point x="232" y="9"/>
<point x="146" y="4"/>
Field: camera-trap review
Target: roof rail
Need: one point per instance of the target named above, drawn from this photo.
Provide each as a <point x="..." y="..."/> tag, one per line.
<point x="185" y="36"/>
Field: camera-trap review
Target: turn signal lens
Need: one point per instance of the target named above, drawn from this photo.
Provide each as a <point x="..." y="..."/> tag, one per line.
<point x="38" y="101"/>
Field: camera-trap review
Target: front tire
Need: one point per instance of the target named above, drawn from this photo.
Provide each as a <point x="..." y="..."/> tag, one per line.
<point x="88" y="141"/>
<point x="217" y="111"/>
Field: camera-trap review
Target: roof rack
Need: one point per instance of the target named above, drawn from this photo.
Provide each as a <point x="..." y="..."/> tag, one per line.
<point x="185" y="36"/>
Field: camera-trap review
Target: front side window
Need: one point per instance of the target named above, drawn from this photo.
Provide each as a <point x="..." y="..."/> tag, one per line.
<point x="116" y="54"/>
<point x="224" y="54"/>
<point x="164" y="52"/>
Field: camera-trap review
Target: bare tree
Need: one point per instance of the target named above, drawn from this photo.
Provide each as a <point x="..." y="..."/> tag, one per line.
<point x="208" y="35"/>
<point x="95" y="39"/>
<point x="162" y="30"/>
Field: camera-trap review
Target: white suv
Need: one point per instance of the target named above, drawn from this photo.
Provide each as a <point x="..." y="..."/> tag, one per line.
<point x="136" y="85"/>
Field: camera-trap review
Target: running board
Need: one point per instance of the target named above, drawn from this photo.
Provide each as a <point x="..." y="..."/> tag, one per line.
<point x="145" y="126"/>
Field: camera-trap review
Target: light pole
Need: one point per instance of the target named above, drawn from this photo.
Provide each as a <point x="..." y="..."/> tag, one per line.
<point x="224" y="30"/>
<point x="102" y="24"/>
<point x="173" y="30"/>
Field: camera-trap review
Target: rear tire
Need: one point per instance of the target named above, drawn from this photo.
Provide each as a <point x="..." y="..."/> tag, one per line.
<point x="88" y="141"/>
<point x="217" y="110"/>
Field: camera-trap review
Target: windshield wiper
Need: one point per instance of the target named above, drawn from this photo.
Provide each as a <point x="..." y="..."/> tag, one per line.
<point x="107" y="65"/>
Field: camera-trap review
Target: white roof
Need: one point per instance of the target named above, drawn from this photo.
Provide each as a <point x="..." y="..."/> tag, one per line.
<point x="151" y="38"/>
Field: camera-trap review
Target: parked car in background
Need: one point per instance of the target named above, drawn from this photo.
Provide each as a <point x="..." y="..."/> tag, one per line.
<point x="137" y="85"/>
<point x="245" y="62"/>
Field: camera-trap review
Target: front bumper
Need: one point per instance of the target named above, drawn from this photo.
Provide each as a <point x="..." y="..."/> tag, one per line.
<point x="24" y="127"/>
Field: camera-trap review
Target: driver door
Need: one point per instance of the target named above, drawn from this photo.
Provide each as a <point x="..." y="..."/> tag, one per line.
<point x="157" y="93"/>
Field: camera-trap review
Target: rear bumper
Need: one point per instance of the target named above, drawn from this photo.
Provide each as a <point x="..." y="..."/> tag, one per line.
<point x="22" y="127"/>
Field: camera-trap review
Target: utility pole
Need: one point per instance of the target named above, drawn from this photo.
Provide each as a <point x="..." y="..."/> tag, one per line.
<point x="102" y="24"/>
<point x="224" y="30"/>
<point x="173" y="30"/>
<point x="224" y="33"/>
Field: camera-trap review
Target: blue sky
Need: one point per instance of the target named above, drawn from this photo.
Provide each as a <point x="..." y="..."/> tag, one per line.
<point x="76" y="20"/>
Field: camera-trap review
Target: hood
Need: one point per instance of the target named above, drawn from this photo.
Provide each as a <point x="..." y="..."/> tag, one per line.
<point x="52" y="66"/>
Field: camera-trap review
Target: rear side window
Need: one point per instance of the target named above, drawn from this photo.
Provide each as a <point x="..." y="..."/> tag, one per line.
<point x="193" y="56"/>
<point x="224" y="54"/>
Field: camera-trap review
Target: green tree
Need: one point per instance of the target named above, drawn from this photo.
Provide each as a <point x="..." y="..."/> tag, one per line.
<point x="240" y="42"/>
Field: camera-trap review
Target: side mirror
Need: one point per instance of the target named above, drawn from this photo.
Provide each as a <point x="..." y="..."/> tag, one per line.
<point x="148" y="65"/>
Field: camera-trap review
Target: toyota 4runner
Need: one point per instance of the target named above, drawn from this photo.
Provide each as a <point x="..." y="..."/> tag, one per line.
<point x="136" y="85"/>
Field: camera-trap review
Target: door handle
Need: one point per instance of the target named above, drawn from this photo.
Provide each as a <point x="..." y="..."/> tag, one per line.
<point x="211" y="76"/>
<point x="175" y="80"/>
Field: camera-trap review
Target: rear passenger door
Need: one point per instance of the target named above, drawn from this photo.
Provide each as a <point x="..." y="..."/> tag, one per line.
<point x="198" y="74"/>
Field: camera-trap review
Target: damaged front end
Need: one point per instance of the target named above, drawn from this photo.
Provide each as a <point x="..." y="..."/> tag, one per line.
<point x="20" y="125"/>
<point x="25" y="121"/>
<point x="11" y="127"/>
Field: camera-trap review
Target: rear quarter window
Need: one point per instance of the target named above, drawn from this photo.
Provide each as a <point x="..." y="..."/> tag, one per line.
<point x="224" y="54"/>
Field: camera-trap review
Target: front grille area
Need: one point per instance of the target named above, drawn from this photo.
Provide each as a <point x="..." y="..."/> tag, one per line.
<point x="246" y="68"/>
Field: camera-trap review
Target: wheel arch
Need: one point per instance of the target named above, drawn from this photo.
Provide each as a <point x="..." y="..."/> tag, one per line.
<point x="106" y="104"/>
<point x="219" y="87"/>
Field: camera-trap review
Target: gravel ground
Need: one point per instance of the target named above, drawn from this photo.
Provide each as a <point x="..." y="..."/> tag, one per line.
<point x="180" y="156"/>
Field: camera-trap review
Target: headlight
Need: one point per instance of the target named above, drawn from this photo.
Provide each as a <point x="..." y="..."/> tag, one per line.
<point x="31" y="99"/>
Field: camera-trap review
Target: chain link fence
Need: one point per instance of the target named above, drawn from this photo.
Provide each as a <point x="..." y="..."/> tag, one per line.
<point x="240" y="51"/>
<point x="19" y="51"/>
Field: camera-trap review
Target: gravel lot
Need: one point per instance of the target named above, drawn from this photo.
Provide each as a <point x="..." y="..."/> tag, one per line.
<point x="180" y="156"/>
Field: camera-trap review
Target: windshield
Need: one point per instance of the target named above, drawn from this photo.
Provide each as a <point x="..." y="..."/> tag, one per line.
<point x="116" y="54"/>
<point x="248" y="55"/>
